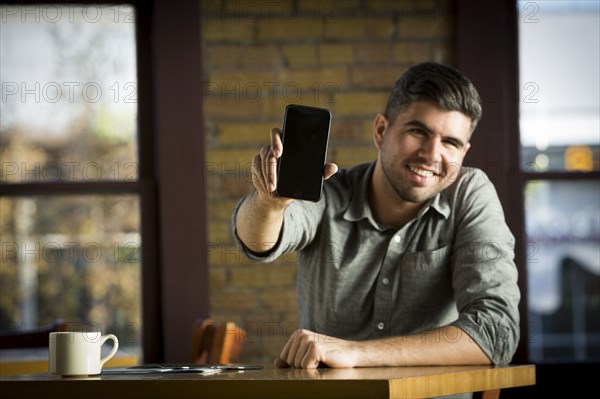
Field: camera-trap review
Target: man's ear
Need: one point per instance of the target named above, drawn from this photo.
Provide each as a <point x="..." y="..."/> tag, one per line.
<point x="379" y="128"/>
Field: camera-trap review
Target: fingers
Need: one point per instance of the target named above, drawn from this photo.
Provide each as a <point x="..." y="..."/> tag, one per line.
<point x="269" y="156"/>
<point x="276" y="142"/>
<point x="330" y="170"/>
<point x="295" y="342"/>
<point x="258" y="171"/>
<point x="280" y="364"/>
<point x="310" y="360"/>
<point x="264" y="170"/>
<point x="300" y="351"/>
<point x="268" y="164"/>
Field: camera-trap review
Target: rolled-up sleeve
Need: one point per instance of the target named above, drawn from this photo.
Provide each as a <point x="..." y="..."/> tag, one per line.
<point x="484" y="273"/>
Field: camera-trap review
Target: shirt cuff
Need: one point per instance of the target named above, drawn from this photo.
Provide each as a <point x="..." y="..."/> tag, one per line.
<point x="268" y="256"/>
<point x="494" y="339"/>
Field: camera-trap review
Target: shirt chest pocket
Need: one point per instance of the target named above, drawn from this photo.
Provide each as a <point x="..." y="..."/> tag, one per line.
<point x="426" y="260"/>
<point x="426" y="274"/>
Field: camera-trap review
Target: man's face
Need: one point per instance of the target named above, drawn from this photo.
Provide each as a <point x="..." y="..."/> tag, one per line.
<point x="422" y="151"/>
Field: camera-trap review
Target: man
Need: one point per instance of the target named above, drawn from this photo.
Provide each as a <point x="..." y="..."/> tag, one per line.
<point x="405" y="261"/>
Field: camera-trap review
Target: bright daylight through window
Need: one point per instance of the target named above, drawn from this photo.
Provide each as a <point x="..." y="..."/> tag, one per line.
<point x="559" y="59"/>
<point x="69" y="122"/>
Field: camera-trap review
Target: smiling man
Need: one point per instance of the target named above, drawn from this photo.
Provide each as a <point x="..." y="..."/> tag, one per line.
<point x="406" y="260"/>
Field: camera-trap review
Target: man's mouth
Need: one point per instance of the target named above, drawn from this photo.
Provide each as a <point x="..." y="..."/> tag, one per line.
<point x="421" y="171"/>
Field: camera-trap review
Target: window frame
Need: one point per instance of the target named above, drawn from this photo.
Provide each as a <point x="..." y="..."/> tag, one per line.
<point x="174" y="272"/>
<point x="487" y="52"/>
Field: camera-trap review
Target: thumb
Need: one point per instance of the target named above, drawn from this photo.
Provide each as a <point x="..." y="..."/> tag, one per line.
<point x="330" y="170"/>
<point x="279" y="363"/>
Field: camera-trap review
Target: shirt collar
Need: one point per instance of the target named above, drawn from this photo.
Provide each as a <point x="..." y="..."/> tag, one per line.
<point x="359" y="207"/>
<point x="439" y="203"/>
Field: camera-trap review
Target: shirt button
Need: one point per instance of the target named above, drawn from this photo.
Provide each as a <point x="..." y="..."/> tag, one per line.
<point x="380" y="326"/>
<point x="385" y="281"/>
<point x="397" y="239"/>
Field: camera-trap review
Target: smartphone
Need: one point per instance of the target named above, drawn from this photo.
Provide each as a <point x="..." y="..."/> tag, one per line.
<point x="305" y="135"/>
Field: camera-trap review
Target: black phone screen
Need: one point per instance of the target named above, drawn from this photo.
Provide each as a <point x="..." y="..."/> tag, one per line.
<point x="300" y="168"/>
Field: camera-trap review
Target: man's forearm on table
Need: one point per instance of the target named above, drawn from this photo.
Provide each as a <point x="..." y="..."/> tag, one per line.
<point x="444" y="346"/>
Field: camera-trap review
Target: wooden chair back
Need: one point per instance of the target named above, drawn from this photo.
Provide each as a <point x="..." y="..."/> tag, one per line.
<point x="216" y="343"/>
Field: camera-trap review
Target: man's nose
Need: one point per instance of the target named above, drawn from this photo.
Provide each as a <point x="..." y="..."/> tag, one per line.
<point x="431" y="150"/>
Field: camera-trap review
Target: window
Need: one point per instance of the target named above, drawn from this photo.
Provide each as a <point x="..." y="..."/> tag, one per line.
<point x="70" y="204"/>
<point x="559" y="61"/>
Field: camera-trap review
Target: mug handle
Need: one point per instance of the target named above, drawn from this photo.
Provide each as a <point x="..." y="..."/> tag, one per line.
<point x="114" y="349"/>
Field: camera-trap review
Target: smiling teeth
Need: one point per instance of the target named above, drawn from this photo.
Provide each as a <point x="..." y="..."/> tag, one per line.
<point x="420" y="172"/>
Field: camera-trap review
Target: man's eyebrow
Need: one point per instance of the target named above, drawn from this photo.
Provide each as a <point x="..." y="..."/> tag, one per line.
<point x="416" y="122"/>
<point x="420" y="124"/>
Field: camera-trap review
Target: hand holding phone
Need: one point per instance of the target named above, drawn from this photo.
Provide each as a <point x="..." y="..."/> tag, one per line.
<point x="259" y="218"/>
<point x="300" y="169"/>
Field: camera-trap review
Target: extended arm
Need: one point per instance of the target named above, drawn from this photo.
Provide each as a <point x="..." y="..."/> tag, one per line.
<point x="260" y="216"/>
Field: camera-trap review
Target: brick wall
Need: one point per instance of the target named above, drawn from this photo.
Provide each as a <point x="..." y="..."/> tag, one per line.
<point x="258" y="56"/>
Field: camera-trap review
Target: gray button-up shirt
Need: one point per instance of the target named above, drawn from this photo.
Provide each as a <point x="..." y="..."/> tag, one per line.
<point x="358" y="279"/>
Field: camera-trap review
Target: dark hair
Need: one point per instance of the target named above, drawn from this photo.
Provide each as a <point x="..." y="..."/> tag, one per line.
<point x="441" y="84"/>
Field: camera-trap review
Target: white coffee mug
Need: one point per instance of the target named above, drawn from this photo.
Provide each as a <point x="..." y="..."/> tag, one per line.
<point x="78" y="353"/>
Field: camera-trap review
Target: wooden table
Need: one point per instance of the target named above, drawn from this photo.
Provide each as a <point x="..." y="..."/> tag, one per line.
<point x="35" y="360"/>
<point x="392" y="382"/>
